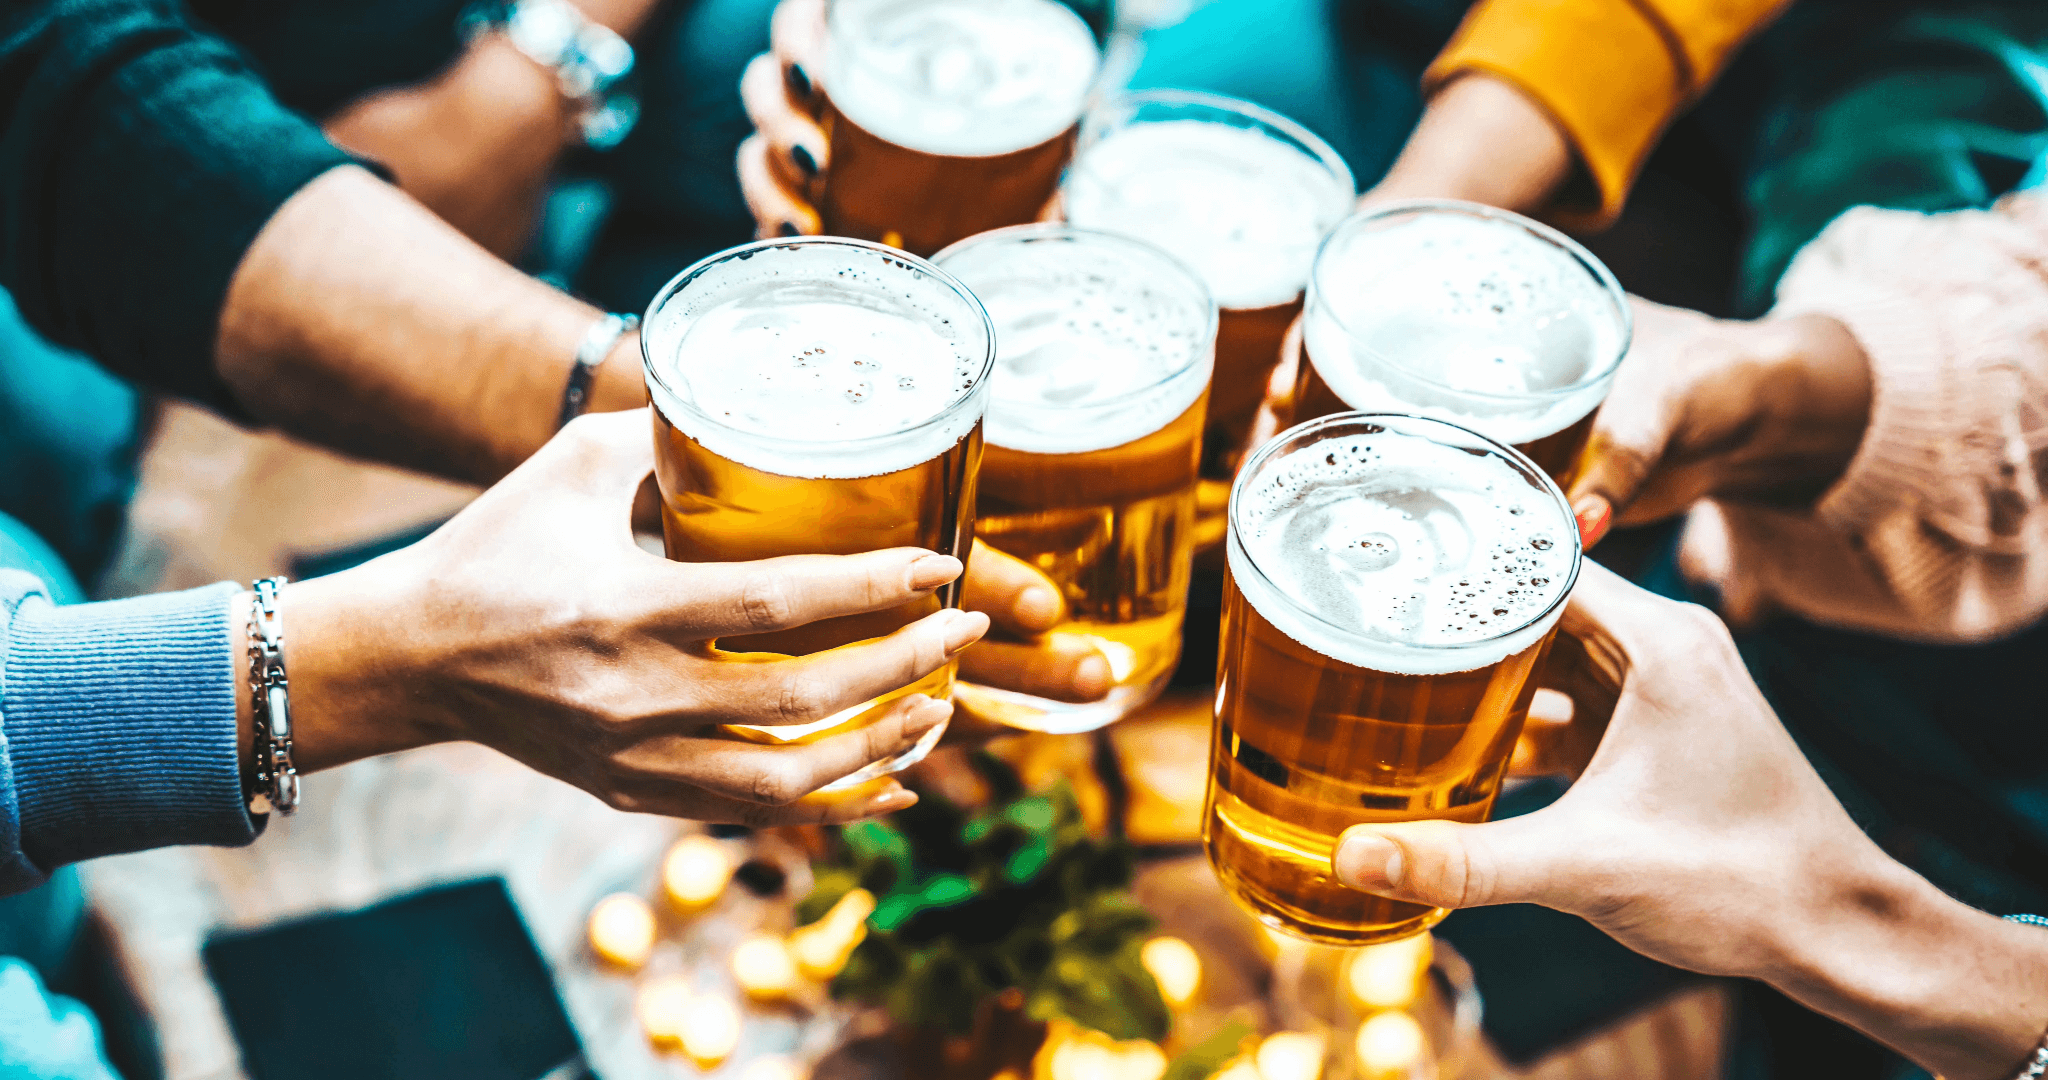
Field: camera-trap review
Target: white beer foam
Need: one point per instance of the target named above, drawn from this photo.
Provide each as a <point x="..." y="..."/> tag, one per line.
<point x="961" y="78"/>
<point x="1465" y="319"/>
<point x="1097" y="343"/>
<point x="1412" y="557"/>
<point x="786" y="356"/>
<point x="1242" y="208"/>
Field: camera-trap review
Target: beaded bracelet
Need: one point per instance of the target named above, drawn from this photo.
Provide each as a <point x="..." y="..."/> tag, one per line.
<point x="277" y="778"/>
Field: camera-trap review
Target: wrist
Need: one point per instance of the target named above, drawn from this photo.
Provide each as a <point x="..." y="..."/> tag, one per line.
<point x="1483" y="140"/>
<point x="499" y="89"/>
<point x="620" y="383"/>
<point x="1884" y="951"/>
<point x="354" y="684"/>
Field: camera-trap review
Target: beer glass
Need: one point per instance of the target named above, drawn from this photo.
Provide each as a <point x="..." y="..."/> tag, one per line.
<point x="1240" y="194"/>
<point x="1469" y="314"/>
<point x="819" y="396"/>
<point x="949" y="117"/>
<point x="1391" y="583"/>
<point x="1094" y="432"/>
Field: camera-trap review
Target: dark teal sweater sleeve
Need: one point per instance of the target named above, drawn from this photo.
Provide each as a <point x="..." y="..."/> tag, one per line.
<point x="117" y="727"/>
<point x="139" y="157"/>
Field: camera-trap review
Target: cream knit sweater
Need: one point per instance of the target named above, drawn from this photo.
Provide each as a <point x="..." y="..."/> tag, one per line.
<point x="1936" y="532"/>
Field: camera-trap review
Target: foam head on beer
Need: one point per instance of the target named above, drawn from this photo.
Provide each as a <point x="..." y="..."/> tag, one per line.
<point x="1243" y="205"/>
<point x="1392" y="550"/>
<point x="1467" y="314"/>
<point x="804" y="361"/>
<point x="1099" y="340"/>
<point x="960" y="78"/>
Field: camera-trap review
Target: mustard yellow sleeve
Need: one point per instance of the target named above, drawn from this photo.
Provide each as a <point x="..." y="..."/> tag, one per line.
<point x="1612" y="72"/>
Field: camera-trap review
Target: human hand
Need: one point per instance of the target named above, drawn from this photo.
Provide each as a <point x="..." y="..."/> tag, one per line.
<point x="782" y="165"/>
<point x="1770" y="410"/>
<point x="1697" y="834"/>
<point x="533" y="624"/>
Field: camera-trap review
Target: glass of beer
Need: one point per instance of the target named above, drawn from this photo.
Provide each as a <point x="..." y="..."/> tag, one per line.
<point x="1094" y="432"/>
<point x="1470" y="314"/>
<point x="1242" y="195"/>
<point x="819" y="396"/>
<point x="949" y="117"/>
<point x="1392" y="582"/>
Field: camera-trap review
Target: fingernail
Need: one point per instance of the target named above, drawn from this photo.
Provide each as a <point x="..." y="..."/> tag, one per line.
<point x="925" y="714"/>
<point x="799" y="81"/>
<point x="1037" y="607"/>
<point x="889" y="802"/>
<point x="932" y="571"/>
<point x="1594" y="515"/>
<point x="1367" y="861"/>
<point x="788" y="228"/>
<point x="963" y="628"/>
<point x="1092" y="677"/>
<point x="806" y="162"/>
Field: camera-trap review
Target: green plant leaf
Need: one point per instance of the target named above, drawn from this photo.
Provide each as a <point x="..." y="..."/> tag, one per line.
<point x="1202" y="1060"/>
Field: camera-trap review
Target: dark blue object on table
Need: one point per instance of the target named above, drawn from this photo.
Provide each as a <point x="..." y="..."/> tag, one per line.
<point x="445" y="983"/>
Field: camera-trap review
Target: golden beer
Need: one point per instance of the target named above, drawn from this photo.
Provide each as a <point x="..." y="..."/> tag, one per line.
<point x="1469" y="314"/>
<point x="1240" y="194"/>
<point x="1392" y="583"/>
<point x="1094" y="435"/>
<point x="819" y="396"/>
<point x="947" y="118"/>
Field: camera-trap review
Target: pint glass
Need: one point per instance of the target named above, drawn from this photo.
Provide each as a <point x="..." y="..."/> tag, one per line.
<point x="818" y="396"/>
<point x="1468" y="314"/>
<point x="949" y="117"/>
<point x="1240" y="194"/>
<point x="1094" y="431"/>
<point x="1392" y="582"/>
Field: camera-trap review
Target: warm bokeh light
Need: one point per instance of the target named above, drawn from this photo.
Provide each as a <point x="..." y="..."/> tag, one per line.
<point x="775" y="1067"/>
<point x="822" y="948"/>
<point x="710" y="1029"/>
<point x="1238" y="1068"/>
<point x="1390" y="976"/>
<point x="695" y="872"/>
<point x="1175" y="967"/>
<point x="1082" y="1054"/>
<point x="661" y="1005"/>
<point x="1291" y="1055"/>
<point x="1389" y="1044"/>
<point x="763" y="967"/>
<point x="622" y="930"/>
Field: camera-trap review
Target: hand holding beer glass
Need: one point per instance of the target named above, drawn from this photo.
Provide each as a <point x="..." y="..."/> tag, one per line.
<point x="940" y="118"/>
<point x="1094" y="431"/>
<point x="1469" y="314"/>
<point x="1392" y="582"/>
<point x="819" y="397"/>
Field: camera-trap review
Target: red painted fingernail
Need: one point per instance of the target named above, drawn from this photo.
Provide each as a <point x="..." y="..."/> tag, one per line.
<point x="1594" y="515"/>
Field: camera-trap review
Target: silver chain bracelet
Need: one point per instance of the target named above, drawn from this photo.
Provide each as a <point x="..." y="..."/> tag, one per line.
<point x="596" y="345"/>
<point x="277" y="778"/>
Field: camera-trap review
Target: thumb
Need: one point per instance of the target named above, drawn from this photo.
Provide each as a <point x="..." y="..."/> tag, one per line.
<point x="1451" y="865"/>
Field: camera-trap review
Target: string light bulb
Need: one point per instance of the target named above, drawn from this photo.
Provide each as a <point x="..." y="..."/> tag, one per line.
<point x="1389" y="1045"/>
<point x="1291" y="1055"/>
<point x="763" y="967"/>
<point x="1390" y="976"/>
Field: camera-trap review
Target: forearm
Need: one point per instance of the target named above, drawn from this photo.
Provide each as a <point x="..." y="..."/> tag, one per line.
<point x="360" y="320"/>
<point x="1482" y="140"/>
<point x="1962" y="993"/>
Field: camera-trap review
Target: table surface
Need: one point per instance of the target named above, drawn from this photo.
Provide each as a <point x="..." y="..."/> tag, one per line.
<point x="385" y="827"/>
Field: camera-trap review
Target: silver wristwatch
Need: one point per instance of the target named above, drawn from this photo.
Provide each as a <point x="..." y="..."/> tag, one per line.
<point x="590" y="62"/>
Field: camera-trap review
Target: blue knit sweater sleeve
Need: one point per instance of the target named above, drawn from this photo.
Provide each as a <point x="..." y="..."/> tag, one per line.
<point x="117" y="727"/>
